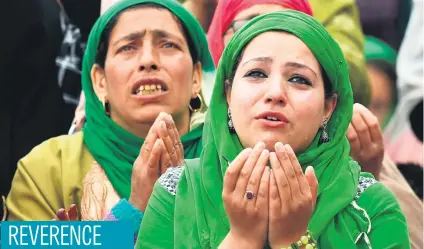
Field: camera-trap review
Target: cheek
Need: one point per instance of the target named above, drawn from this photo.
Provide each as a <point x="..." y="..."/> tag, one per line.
<point x="176" y="68"/>
<point x="244" y="97"/>
<point x="118" y="76"/>
<point x="308" y="107"/>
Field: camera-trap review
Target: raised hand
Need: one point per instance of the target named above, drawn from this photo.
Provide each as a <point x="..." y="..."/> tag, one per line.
<point x="245" y="196"/>
<point x="161" y="149"/>
<point x="366" y="140"/>
<point x="70" y="215"/>
<point x="292" y="197"/>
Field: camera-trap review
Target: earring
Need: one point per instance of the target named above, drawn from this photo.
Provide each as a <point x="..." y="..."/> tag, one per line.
<point x="324" y="135"/>
<point x="230" y="122"/>
<point x="105" y="104"/>
<point x="197" y="103"/>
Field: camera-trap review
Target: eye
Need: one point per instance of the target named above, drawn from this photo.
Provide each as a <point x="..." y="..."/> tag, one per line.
<point x="170" y="45"/>
<point x="299" y="79"/>
<point x="256" y="74"/>
<point x="125" y="48"/>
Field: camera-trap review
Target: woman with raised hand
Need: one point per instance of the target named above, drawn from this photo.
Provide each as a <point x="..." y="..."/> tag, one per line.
<point x="292" y="104"/>
<point x="142" y="74"/>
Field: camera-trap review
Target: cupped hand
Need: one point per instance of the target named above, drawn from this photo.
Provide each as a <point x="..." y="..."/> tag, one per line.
<point x="292" y="197"/>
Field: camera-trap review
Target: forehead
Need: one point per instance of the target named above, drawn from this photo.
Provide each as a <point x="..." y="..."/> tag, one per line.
<point x="258" y="9"/>
<point x="282" y="47"/>
<point x="147" y="18"/>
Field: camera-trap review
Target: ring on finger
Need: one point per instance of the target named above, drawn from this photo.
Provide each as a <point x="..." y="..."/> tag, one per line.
<point x="250" y="195"/>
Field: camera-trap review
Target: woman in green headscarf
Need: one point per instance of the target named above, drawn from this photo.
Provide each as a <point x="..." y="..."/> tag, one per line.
<point x="381" y="66"/>
<point x="143" y="57"/>
<point x="297" y="94"/>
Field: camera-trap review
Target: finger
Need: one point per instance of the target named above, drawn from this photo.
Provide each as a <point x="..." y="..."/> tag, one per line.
<point x="313" y="183"/>
<point x="301" y="179"/>
<point x="151" y="137"/>
<point x="281" y="180"/>
<point x="168" y="142"/>
<point x="374" y="126"/>
<point x="73" y="212"/>
<point x="262" y="198"/>
<point x="352" y="136"/>
<point x="233" y="171"/>
<point x="153" y="169"/>
<point x="175" y="138"/>
<point x="165" y="162"/>
<point x="274" y="196"/>
<point x="180" y="148"/>
<point x="293" y="184"/>
<point x="246" y="171"/>
<point x="256" y="176"/>
<point x="147" y="146"/>
<point x="361" y="129"/>
<point x="79" y="123"/>
<point x="62" y="215"/>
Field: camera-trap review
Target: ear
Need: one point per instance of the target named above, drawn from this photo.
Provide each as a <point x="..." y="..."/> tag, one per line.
<point x="99" y="81"/>
<point x="330" y="105"/>
<point x="197" y="80"/>
<point x="227" y="87"/>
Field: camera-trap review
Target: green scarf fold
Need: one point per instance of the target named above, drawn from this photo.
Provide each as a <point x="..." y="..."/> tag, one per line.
<point x="337" y="173"/>
<point x="114" y="148"/>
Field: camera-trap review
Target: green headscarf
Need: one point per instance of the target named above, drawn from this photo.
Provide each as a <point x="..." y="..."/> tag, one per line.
<point x="376" y="49"/>
<point x="114" y="148"/>
<point x="199" y="195"/>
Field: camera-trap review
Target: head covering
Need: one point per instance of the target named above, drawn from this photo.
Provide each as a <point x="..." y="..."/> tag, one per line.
<point x="383" y="57"/>
<point x="376" y="49"/>
<point x="227" y="10"/>
<point x="114" y="148"/>
<point x="198" y="202"/>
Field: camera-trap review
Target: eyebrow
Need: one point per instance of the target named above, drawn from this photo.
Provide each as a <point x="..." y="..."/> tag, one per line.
<point x="157" y="33"/>
<point x="298" y="65"/>
<point x="269" y="59"/>
<point x="261" y="59"/>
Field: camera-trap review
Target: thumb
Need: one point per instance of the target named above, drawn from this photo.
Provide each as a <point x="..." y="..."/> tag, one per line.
<point x="313" y="183"/>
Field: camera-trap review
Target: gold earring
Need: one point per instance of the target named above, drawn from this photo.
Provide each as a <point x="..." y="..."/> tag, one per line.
<point x="105" y="104"/>
<point x="197" y="103"/>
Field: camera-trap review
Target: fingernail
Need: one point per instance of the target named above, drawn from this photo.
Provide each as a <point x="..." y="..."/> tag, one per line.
<point x="162" y="124"/>
<point x="260" y="145"/>
<point x="279" y="146"/>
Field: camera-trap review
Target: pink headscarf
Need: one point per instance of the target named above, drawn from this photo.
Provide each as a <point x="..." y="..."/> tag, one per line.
<point x="225" y="12"/>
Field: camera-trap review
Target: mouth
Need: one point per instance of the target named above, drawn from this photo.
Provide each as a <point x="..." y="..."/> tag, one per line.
<point x="272" y="119"/>
<point x="149" y="86"/>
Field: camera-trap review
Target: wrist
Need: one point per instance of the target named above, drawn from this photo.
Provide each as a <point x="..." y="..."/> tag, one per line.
<point x="137" y="203"/>
<point x="235" y="241"/>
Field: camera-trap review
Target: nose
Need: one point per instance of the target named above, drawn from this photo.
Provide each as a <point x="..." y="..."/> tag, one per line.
<point x="148" y="58"/>
<point x="276" y="92"/>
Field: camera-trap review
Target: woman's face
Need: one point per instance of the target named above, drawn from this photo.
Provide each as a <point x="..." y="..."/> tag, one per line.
<point x="278" y="93"/>
<point x="246" y="15"/>
<point x="148" y="69"/>
<point x="381" y="88"/>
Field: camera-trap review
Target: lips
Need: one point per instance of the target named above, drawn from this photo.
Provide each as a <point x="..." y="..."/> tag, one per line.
<point x="272" y="116"/>
<point x="149" y="86"/>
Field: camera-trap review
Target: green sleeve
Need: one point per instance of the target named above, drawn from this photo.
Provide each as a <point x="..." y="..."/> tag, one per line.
<point x="388" y="224"/>
<point x="157" y="227"/>
<point x="341" y="19"/>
